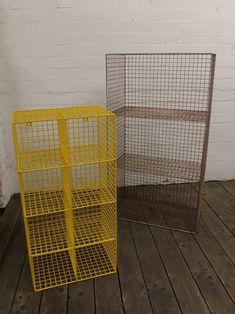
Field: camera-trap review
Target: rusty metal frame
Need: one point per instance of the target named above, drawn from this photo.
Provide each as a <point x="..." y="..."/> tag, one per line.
<point x="155" y="96"/>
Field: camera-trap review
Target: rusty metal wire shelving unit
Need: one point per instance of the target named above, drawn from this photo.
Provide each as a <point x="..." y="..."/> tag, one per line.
<point x="163" y="106"/>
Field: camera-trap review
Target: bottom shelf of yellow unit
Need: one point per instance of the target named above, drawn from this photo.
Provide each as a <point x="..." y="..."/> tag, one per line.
<point x="56" y="269"/>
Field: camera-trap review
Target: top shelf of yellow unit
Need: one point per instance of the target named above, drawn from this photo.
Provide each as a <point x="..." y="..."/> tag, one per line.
<point x="62" y="137"/>
<point x="39" y="115"/>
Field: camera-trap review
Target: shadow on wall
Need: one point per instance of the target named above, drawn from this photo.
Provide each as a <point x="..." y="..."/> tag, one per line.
<point x="8" y="182"/>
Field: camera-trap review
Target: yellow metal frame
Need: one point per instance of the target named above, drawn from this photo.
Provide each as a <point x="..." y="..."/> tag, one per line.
<point x="66" y="163"/>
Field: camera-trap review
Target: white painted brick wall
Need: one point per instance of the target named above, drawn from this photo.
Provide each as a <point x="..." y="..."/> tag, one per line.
<point x="52" y="54"/>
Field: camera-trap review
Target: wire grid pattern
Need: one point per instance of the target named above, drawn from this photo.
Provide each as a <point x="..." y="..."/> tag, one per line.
<point x="67" y="175"/>
<point x="47" y="233"/>
<point x="93" y="184"/>
<point x="84" y="134"/>
<point x="52" y="114"/>
<point x="50" y="144"/>
<point x="95" y="224"/>
<point x="165" y="103"/>
<point x="97" y="260"/>
<point x="42" y="202"/>
<point x="115" y="93"/>
<point x="53" y="270"/>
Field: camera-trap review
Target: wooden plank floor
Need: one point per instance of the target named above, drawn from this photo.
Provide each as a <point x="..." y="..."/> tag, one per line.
<point x="160" y="271"/>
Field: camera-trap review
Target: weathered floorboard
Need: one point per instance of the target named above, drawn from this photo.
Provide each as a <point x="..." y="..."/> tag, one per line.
<point x="26" y="300"/>
<point x="81" y="297"/>
<point x="187" y="292"/>
<point x="220" y="206"/>
<point x="54" y="300"/>
<point x="108" y="296"/>
<point x="134" y="293"/>
<point x="10" y="270"/>
<point x="219" y="230"/>
<point x="219" y="260"/>
<point x="8" y="222"/>
<point x="208" y="282"/>
<point x="159" y="288"/>
<point x="229" y="186"/>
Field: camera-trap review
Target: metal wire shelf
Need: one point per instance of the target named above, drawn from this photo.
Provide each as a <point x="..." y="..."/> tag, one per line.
<point x="47" y="234"/>
<point x="66" y="160"/>
<point x="162" y="113"/>
<point x="95" y="225"/>
<point x="45" y="202"/>
<point x="56" y="269"/>
<point x="61" y="143"/>
<point x="165" y="214"/>
<point x="184" y="169"/>
<point x="163" y="105"/>
<point x="55" y="114"/>
<point x="52" y="270"/>
<point x="92" y="197"/>
<point x="92" y="225"/>
<point x="50" y="159"/>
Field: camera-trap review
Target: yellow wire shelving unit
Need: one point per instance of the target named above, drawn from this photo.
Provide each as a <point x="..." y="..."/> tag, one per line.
<point x="66" y="162"/>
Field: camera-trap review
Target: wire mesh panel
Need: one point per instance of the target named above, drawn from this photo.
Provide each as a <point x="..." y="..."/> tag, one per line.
<point x="66" y="161"/>
<point x="163" y="104"/>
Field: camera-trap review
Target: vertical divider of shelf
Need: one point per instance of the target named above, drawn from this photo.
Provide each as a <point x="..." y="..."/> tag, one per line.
<point x="114" y="130"/>
<point x="125" y="97"/>
<point x="102" y="153"/>
<point x="67" y="189"/>
<point x="22" y="197"/>
<point x="107" y="132"/>
<point x="206" y="137"/>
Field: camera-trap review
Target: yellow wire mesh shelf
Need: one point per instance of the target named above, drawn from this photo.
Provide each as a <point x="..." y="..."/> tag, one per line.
<point x="52" y="270"/>
<point x="56" y="269"/>
<point x="48" y="234"/>
<point x="44" y="202"/>
<point x="62" y="142"/>
<point x="90" y="184"/>
<point x="55" y="114"/>
<point x="66" y="161"/>
<point x="95" y="224"/>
